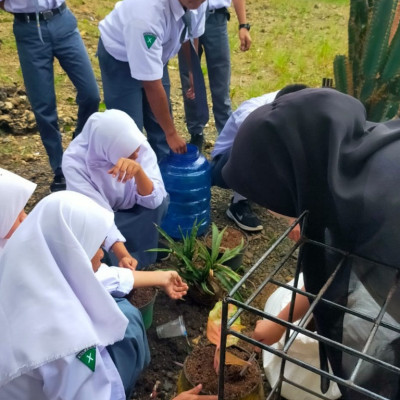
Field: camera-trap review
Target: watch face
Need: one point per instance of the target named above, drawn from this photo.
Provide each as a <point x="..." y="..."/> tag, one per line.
<point x="245" y="26"/>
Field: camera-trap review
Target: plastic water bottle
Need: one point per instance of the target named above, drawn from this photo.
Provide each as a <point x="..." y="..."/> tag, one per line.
<point x="187" y="179"/>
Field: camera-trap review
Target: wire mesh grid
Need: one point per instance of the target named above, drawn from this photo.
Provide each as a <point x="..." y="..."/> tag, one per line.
<point x="361" y="355"/>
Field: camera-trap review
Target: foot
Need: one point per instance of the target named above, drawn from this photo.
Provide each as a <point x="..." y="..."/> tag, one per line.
<point x="58" y="183"/>
<point x="242" y="214"/>
<point x="197" y="140"/>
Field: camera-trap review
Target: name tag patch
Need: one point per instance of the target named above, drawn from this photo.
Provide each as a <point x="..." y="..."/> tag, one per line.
<point x="88" y="357"/>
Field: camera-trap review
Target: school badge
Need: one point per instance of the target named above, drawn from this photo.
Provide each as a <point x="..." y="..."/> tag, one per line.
<point x="88" y="357"/>
<point x="149" y="39"/>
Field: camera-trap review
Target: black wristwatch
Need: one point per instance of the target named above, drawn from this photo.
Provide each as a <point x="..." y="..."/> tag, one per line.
<point x="245" y="26"/>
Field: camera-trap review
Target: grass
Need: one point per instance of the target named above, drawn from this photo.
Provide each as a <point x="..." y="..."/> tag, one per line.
<point x="292" y="42"/>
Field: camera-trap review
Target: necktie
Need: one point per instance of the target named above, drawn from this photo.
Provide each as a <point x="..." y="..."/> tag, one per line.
<point x="187" y="25"/>
<point x="200" y="99"/>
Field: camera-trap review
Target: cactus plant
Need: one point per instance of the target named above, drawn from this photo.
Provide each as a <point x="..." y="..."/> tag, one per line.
<point x="371" y="71"/>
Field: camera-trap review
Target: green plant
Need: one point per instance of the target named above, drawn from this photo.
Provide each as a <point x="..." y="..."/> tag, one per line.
<point x="200" y="267"/>
<point x="371" y="71"/>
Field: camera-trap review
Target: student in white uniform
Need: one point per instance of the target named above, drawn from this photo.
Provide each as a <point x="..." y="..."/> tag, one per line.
<point x="54" y="334"/>
<point x="54" y="331"/>
<point x="240" y="210"/>
<point x="136" y="41"/>
<point x="15" y="192"/>
<point x="112" y="162"/>
<point x="215" y="44"/>
<point x="131" y="354"/>
<point x="44" y="30"/>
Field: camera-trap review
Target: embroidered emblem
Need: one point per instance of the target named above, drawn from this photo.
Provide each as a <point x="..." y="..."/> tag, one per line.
<point x="88" y="357"/>
<point x="149" y="39"/>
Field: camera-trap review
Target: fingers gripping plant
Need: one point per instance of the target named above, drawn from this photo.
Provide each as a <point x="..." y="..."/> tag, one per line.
<point x="371" y="72"/>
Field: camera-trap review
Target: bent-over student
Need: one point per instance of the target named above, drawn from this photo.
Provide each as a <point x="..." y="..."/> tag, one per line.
<point x="55" y="332"/>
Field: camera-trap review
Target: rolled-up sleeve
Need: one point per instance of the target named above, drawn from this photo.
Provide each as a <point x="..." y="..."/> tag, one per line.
<point x="114" y="235"/>
<point x="117" y="281"/>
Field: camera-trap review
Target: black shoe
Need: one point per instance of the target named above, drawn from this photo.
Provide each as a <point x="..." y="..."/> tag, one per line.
<point x="243" y="216"/>
<point x="197" y="140"/>
<point x="58" y="183"/>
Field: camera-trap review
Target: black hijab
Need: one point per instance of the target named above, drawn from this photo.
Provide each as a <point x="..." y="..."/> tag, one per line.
<point x="314" y="150"/>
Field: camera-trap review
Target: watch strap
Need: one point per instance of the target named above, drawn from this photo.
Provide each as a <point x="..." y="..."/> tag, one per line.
<point x="245" y="26"/>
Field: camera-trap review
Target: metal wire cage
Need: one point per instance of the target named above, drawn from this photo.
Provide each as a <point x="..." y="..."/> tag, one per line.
<point x="360" y="356"/>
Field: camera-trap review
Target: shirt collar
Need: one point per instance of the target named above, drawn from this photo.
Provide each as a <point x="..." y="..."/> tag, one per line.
<point x="177" y="9"/>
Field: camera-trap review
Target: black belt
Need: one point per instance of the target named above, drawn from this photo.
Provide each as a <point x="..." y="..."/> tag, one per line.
<point x="43" y="15"/>
<point x="222" y="10"/>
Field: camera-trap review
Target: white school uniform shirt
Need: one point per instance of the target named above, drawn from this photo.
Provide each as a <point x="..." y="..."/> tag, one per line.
<point x="227" y="136"/>
<point x="15" y="192"/>
<point x="117" y="281"/>
<point x="63" y="316"/>
<point x="51" y="381"/>
<point x="28" y="6"/>
<point x="105" y="138"/>
<point x="146" y="34"/>
<point x="216" y="4"/>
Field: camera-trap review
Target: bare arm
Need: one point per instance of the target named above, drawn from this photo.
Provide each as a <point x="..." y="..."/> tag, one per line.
<point x="269" y="332"/>
<point x="124" y="258"/>
<point x="126" y="169"/>
<point x="190" y="94"/>
<point x="158" y="101"/>
<point x="244" y="34"/>
<point x="170" y="281"/>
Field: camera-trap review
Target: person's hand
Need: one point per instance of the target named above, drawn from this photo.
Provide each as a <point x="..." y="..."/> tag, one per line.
<point x="190" y="93"/>
<point x="177" y="144"/>
<point x="128" y="262"/>
<point x="245" y="39"/>
<point x="295" y="234"/>
<point x="267" y="332"/>
<point x="193" y="394"/>
<point x="125" y="169"/>
<point x="173" y="285"/>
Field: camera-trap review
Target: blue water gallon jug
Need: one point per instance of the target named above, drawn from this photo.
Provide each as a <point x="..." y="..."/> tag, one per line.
<point x="187" y="179"/>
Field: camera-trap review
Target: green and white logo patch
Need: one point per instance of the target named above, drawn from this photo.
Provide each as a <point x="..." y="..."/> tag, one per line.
<point x="88" y="357"/>
<point x="149" y="39"/>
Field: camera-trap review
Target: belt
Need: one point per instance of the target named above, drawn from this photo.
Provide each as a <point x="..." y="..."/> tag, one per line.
<point x="43" y="15"/>
<point x="222" y="10"/>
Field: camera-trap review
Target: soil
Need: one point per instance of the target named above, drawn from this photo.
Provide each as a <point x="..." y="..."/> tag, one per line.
<point x="140" y="297"/>
<point x="198" y="368"/>
<point x="231" y="238"/>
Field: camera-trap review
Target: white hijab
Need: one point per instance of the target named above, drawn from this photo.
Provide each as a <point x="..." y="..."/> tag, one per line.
<point x="106" y="137"/>
<point x="15" y="192"/>
<point x="51" y="304"/>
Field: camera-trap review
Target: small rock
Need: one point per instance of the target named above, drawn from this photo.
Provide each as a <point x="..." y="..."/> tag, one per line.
<point x="168" y="385"/>
<point x="8" y="106"/>
<point x="248" y="254"/>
